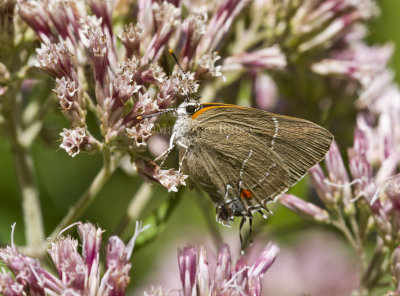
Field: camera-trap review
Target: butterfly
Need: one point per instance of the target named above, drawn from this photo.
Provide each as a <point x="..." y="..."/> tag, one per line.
<point x="244" y="158"/>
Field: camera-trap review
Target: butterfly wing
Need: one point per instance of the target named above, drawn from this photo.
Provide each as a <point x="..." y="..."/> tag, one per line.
<point x="244" y="158"/>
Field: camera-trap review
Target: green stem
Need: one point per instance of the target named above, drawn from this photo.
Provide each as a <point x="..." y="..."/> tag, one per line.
<point x="90" y="105"/>
<point x="158" y="220"/>
<point x="109" y="166"/>
<point x="374" y="271"/>
<point x="34" y="114"/>
<point x="363" y="221"/>
<point x="340" y="224"/>
<point x="356" y="230"/>
<point x="23" y="162"/>
<point x="25" y="174"/>
<point x="38" y="109"/>
<point x="31" y="132"/>
<point x="135" y="207"/>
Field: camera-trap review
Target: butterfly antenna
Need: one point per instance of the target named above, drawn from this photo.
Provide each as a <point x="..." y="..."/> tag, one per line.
<point x="180" y="67"/>
<point x="140" y="117"/>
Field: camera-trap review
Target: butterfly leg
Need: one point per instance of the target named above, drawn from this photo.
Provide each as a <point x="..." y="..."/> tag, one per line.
<point x="240" y="234"/>
<point x="166" y="153"/>
<point x="262" y="214"/>
<point x="182" y="159"/>
<point x="185" y="148"/>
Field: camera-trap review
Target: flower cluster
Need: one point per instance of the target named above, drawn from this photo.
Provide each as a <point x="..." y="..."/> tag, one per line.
<point x="78" y="272"/>
<point x="121" y="85"/>
<point x="368" y="197"/>
<point x="311" y="31"/>
<point x="366" y="201"/>
<point x="199" y="277"/>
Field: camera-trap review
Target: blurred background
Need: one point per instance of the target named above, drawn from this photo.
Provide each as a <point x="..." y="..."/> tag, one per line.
<point x="313" y="258"/>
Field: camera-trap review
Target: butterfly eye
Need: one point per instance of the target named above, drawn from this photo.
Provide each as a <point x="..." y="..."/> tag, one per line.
<point x="190" y="109"/>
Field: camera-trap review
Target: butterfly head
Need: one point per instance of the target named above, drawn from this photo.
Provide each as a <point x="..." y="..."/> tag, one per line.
<point x="188" y="108"/>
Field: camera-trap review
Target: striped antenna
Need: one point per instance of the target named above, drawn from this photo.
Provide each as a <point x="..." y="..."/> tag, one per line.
<point x="180" y="67"/>
<point x="140" y="117"/>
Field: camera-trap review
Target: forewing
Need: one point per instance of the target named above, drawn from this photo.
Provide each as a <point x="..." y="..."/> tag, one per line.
<point x="299" y="143"/>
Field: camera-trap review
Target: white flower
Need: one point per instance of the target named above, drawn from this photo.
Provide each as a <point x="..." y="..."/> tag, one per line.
<point x="170" y="179"/>
<point x="141" y="134"/>
<point x="73" y="140"/>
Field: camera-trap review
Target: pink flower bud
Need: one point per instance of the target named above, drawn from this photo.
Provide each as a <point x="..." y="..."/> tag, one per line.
<point x="187" y="259"/>
<point x="303" y="208"/>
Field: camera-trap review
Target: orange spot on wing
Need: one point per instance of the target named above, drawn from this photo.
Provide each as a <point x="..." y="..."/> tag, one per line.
<point x="245" y="193"/>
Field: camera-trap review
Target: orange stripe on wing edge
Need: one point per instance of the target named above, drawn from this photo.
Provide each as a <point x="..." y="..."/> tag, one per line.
<point x="208" y="106"/>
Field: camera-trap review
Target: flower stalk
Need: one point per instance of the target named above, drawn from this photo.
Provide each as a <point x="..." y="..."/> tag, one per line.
<point x="24" y="169"/>
<point x="135" y="207"/>
<point x="109" y="165"/>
